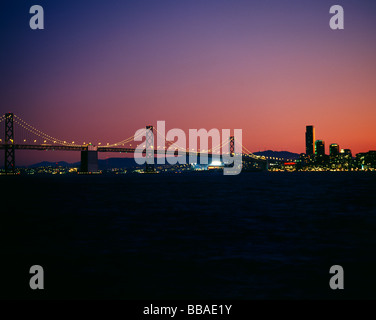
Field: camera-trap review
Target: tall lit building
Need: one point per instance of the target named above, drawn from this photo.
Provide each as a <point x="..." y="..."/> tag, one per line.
<point x="366" y="160"/>
<point x="346" y="153"/>
<point x="309" y="140"/>
<point x="334" y="149"/>
<point x="320" y="148"/>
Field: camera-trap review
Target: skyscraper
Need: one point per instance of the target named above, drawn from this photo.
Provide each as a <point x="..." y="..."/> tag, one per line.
<point x="310" y="139"/>
<point x="334" y="149"/>
<point x="346" y="152"/>
<point x="320" y="147"/>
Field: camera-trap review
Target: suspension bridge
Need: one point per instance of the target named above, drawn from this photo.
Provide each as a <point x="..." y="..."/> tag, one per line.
<point x="20" y="135"/>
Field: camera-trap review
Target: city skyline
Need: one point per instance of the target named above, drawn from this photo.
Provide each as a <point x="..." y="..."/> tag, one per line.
<point x="269" y="69"/>
<point x="313" y="146"/>
<point x="35" y="140"/>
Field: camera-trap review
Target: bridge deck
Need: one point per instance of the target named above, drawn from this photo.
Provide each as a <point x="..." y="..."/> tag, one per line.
<point x="99" y="149"/>
<point x="44" y="147"/>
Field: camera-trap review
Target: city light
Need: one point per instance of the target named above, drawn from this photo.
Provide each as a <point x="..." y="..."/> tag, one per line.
<point x="316" y="160"/>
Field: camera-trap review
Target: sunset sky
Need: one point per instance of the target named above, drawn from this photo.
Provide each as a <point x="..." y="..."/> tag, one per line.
<point x="103" y="69"/>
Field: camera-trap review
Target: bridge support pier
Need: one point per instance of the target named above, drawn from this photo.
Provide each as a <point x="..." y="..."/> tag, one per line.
<point x="89" y="160"/>
<point x="266" y="165"/>
<point x="10" y="162"/>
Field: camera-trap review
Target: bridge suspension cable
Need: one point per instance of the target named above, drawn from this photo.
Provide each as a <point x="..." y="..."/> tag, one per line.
<point x="126" y="140"/>
<point x="251" y="154"/>
<point x="172" y="143"/>
<point x="39" y="133"/>
<point x="221" y="145"/>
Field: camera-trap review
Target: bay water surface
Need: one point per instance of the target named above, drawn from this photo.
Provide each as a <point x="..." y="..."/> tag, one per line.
<point x="190" y="236"/>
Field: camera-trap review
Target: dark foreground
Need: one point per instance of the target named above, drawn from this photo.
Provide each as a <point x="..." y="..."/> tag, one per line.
<point x="253" y="236"/>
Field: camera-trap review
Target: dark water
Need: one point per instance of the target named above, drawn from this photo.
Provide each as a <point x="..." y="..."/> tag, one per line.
<point x="253" y="236"/>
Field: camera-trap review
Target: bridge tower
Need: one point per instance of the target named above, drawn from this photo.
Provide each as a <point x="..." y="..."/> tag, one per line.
<point x="232" y="146"/>
<point x="149" y="150"/>
<point x="10" y="162"/>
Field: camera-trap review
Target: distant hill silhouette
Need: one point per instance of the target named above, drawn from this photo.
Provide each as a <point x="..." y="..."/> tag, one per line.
<point x="51" y="164"/>
<point x="121" y="163"/>
<point x="127" y="163"/>
<point x="102" y="164"/>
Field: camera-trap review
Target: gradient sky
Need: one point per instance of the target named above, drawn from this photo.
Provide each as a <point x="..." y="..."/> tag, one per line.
<point x="103" y="69"/>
